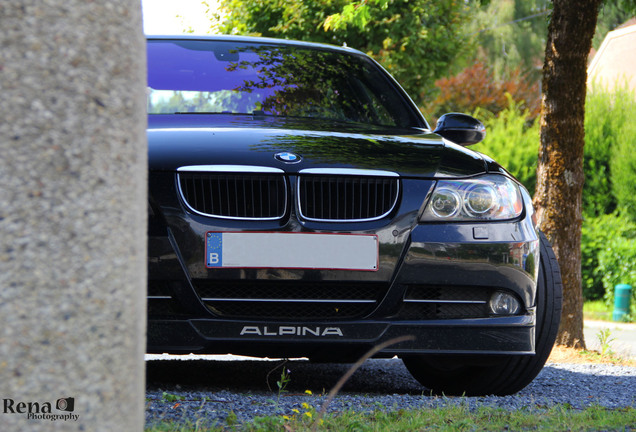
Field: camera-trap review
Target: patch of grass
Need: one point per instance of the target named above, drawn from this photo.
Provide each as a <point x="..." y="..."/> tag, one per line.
<point x="451" y="418"/>
<point x="597" y="310"/>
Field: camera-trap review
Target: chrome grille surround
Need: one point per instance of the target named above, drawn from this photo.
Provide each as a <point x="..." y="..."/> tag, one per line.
<point x="346" y="195"/>
<point x="238" y="192"/>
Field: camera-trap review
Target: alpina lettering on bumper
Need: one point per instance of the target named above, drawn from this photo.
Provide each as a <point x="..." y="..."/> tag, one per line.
<point x="291" y="331"/>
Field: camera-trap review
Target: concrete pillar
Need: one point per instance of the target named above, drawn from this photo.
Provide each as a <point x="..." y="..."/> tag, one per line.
<point x="72" y="215"/>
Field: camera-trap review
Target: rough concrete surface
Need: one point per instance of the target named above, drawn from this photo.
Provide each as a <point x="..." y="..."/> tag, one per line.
<point x="72" y="215"/>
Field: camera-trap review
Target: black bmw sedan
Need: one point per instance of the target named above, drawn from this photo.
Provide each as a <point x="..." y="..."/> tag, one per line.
<point x="301" y="206"/>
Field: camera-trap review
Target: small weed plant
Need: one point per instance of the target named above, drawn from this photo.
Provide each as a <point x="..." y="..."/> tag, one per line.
<point x="605" y="338"/>
<point x="169" y="397"/>
<point x="283" y="382"/>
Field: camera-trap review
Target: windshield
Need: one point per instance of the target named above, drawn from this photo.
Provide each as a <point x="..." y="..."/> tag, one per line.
<point x="225" y="77"/>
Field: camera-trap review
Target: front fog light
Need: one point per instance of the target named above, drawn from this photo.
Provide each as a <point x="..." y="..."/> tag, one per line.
<point x="502" y="303"/>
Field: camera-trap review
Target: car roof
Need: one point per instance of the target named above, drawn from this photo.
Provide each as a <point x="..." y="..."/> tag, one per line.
<point x="259" y="40"/>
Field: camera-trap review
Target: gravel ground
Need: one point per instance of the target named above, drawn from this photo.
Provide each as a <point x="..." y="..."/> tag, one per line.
<point x="241" y="387"/>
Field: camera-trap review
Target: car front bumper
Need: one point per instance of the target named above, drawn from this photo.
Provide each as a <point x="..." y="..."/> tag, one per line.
<point x="513" y="335"/>
<point x="476" y="259"/>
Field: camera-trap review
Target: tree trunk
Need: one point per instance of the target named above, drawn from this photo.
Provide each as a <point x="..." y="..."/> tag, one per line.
<point x="560" y="167"/>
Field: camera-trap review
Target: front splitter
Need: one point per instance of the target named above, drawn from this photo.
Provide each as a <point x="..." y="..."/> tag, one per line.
<point x="514" y="335"/>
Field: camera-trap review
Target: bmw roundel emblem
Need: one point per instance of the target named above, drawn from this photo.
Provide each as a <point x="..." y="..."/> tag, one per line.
<point x="287" y="157"/>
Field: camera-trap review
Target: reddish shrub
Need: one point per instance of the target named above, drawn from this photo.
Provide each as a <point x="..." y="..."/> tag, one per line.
<point x="476" y="87"/>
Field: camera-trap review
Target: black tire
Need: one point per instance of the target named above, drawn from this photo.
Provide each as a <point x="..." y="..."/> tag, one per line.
<point x="499" y="375"/>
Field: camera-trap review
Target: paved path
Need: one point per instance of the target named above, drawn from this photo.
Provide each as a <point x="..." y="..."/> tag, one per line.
<point x="624" y="336"/>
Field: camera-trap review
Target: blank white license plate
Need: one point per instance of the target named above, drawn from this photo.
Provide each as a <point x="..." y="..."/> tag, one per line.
<point x="291" y="250"/>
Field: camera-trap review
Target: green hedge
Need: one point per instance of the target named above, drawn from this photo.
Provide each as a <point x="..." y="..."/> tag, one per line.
<point x="610" y="152"/>
<point x="600" y="136"/>
<point x="608" y="249"/>
<point x="623" y="152"/>
<point x="609" y="194"/>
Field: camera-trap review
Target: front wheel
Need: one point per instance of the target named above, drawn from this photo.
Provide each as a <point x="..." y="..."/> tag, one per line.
<point x="506" y="374"/>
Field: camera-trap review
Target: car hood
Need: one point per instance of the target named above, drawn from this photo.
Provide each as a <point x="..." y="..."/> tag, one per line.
<point x="181" y="140"/>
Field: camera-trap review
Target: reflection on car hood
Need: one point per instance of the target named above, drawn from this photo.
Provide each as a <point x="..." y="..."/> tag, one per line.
<point x="181" y="140"/>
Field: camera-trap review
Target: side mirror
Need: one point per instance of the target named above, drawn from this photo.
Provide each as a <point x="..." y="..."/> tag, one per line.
<point x="461" y="129"/>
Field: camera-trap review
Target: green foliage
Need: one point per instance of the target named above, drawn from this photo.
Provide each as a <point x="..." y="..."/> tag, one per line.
<point x="601" y="125"/>
<point x="594" y="236"/>
<point x="513" y="141"/>
<point x="415" y="40"/>
<point x="511" y="34"/>
<point x="231" y="419"/>
<point x="616" y="264"/>
<point x="169" y="397"/>
<point x="355" y="14"/>
<point x="623" y="154"/>
<point x="609" y="158"/>
<point x="624" y="172"/>
<point x="607" y="245"/>
<point x="608" y="249"/>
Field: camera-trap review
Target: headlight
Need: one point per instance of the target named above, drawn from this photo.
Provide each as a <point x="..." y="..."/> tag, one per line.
<point x="491" y="197"/>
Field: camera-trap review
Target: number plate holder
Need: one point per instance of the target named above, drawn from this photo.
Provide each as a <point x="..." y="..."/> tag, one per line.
<point x="292" y="250"/>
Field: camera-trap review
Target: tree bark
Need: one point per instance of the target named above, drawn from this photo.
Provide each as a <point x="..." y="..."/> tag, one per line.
<point x="560" y="167"/>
